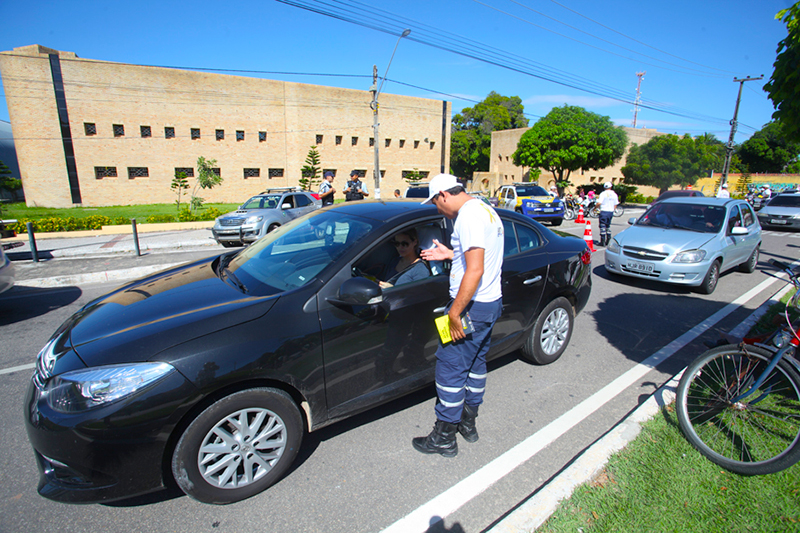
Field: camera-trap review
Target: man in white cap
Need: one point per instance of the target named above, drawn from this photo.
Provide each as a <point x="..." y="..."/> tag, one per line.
<point x="608" y="201"/>
<point x="723" y="191"/>
<point x="475" y="290"/>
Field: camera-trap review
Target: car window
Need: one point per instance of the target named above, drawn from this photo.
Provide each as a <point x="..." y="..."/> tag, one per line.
<point x="531" y="190"/>
<point x="301" y="200"/>
<point x="381" y="262"/>
<point x="257" y="202"/>
<point x="734" y="218"/>
<point x="288" y="199"/>
<point x="785" y="201"/>
<point x="509" y="239"/>
<point x="296" y="252"/>
<point x="518" y="238"/>
<point x="749" y="217"/>
<point x="528" y="239"/>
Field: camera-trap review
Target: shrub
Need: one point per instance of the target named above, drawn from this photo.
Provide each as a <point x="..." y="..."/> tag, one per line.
<point x="160" y="219"/>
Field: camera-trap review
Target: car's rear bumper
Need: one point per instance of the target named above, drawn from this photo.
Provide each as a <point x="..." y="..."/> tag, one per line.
<point x="778" y="222"/>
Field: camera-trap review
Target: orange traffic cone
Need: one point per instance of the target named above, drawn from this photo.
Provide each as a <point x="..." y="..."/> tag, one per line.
<point x="580" y="219"/>
<point x="587" y="236"/>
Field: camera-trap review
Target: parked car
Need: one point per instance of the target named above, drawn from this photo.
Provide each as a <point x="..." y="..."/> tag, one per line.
<point x="532" y="201"/>
<point x="261" y="214"/>
<point x="687" y="241"/>
<point x="211" y="372"/>
<point x="682" y="193"/>
<point x="6" y="272"/>
<point x="782" y="211"/>
<point x="417" y="190"/>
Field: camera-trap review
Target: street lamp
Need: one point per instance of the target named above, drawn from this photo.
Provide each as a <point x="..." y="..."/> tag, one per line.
<point x="376" y="91"/>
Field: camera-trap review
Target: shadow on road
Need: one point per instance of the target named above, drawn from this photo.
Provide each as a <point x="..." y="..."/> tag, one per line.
<point x="37" y="302"/>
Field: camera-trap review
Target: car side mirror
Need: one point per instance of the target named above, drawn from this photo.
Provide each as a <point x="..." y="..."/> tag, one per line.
<point x="738" y="230"/>
<point x="358" y="291"/>
<point x="632" y="221"/>
<point x="287" y="205"/>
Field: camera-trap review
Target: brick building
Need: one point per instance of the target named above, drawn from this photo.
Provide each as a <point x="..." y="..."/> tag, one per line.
<point x="95" y="133"/>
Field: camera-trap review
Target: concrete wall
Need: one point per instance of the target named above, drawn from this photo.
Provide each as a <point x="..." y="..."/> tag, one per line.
<point x="293" y="117"/>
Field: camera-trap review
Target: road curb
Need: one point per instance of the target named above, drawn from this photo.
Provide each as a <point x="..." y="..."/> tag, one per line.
<point x="124" y="274"/>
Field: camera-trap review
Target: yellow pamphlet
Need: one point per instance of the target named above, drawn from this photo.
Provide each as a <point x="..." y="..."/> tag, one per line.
<point x="443" y="327"/>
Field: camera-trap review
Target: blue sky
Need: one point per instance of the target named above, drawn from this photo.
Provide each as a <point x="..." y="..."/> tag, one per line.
<point x="690" y="49"/>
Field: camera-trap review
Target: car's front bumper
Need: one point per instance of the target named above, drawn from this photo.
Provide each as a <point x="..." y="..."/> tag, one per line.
<point x="690" y="274"/>
<point x="240" y="234"/>
<point x="107" y="453"/>
<point x="778" y="221"/>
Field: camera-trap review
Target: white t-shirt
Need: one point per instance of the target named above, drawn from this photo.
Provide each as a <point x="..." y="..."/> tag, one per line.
<point x="723" y="193"/>
<point x="478" y="226"/>
<point x="608" y="200"/>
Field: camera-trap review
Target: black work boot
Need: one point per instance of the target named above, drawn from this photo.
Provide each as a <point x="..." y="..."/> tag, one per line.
<point x="442" y="440"/>
<point x="467" y="425"/>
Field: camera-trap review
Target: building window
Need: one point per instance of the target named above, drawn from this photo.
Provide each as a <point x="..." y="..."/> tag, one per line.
<point x="145" y="131"/>
<point x="195" y="133"/>
<point x="361" y="173"/>
<point x="372" y="141"/>
<point x="188" y="171"/>
<point x="416" y="144"/>
<point x="262" y="136"/>
<point x="338" y="140"/>
<point x="89" y="128"/>
<point x="402" y="142"/>
<point x="216" y="171"/>
<point x="119" y="130"/>
<point x="138" y="172"/>
<point x="433" y="143"/>
<point x="105" y="172"/>
<point x="239" y="135"/>
<point x="319" y="139"/>
<point x="422" y="173"/>
<point x="220" y="135"/>
<point x="275" y="173"/>
<point x="353" y="141"/>
<point x="388" y="142"/>
<point x="252" y="173"/>
<point x="169" y="132"/>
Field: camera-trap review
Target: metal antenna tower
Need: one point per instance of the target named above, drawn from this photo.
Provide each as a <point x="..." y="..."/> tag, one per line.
<point x="638" y="96"/>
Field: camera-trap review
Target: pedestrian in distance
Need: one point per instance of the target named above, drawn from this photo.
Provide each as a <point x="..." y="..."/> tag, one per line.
<point x="476" y="296"/>
<point x="554" y="191"/>
<point x="356" y="189"/>
<point x="723" y="191"/>
<point x="608" y="201"/>
<point x="397" y="193"/>
<point x="326" y="190"/>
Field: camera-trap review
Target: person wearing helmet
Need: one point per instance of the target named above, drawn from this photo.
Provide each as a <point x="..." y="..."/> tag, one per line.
<point x="554" y="191"/>
<point x="608" y="201"/>
<point x="723" y="191"/>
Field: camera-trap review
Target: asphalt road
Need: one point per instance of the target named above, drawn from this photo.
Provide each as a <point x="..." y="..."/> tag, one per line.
<point x="362" y="474"/>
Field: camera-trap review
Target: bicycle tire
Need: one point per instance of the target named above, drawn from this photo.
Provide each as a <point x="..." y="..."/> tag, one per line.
<point x="757" y="435"/>
<point x="619" y="211"/>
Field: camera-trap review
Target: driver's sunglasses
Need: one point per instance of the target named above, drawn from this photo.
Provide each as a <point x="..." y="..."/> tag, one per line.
<point x="401" y="243"/>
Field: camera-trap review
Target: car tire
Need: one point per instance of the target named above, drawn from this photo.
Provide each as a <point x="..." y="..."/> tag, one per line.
<point x="238" y="446"/>
<point x="228" y="244"/>
<point x="711" y="279"/>
<point x="273" y="227"/>
<point x="551" y="333"/>
<point x="556" y="222"/>
<point x="749" y="266"/>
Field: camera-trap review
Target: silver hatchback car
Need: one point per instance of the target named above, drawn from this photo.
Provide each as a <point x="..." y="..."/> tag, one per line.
<point x="261" y="214"/>
<point x="687" y="241"/>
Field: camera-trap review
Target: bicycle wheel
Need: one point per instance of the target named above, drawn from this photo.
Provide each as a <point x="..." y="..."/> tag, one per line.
<point x="569" y="213"/>
<point x="759" y="434"/>
<point x="619" y="211"/>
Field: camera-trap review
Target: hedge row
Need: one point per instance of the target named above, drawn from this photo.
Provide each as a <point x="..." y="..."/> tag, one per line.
<point x="95" y="222"/>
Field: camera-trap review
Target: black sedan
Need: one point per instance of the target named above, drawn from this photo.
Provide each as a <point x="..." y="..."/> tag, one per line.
<point x="210" y="373"/>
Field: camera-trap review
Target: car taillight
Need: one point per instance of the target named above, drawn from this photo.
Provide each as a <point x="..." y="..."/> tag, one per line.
<point x="586" y="257"/>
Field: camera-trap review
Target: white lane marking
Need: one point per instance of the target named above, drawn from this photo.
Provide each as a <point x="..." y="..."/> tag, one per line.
<point x="17" y="368"/>
<point x="435" y="510"/>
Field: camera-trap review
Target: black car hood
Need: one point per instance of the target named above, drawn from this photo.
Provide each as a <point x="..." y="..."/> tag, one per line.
<point x="145" y="317"/>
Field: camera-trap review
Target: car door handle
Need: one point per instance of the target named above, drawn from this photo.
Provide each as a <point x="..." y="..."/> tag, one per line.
<point x="440" y="309"/>
<point x="532" y="280"/>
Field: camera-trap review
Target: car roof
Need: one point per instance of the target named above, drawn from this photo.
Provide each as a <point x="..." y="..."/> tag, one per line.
<point x="701" y="200"/>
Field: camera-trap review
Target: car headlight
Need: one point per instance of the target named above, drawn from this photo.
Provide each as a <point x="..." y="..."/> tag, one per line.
<point x="253" y="219"/>
<point x="84" y="389"/>
<point x="690" y="256"/>
<point x="613" y="246"/>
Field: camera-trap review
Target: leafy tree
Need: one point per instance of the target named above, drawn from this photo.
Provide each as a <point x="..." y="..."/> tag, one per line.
<point x="570" y="138"/>
<point x="782" y="85"/>
<point x="208" y="177"/>
<point x="414" y="176"/>
<point x="470" y="144"/>
<point x="768" y="150"/>
<point x="7" y="181"/>
<point x="179" y="186"/>
<point x="668" y="160"/>
<point x="743" y="185"/>
<point x="717" y="150"/>
<point x="311" y="170"/>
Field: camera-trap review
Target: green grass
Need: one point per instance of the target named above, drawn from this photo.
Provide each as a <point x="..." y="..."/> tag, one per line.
<point x="774" y="317"/>
<point x="659" y="482"/>
<point x="21" y="211"/>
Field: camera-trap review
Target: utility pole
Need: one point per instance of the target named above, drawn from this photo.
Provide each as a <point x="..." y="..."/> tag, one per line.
<point x="729" y="147"/>
<point x="376" y="91"/>
<point x="640" y="75"/>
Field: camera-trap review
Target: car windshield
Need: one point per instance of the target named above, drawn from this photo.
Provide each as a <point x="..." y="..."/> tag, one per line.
<point x="785" y="201"/>
<point x="296" y="252"/>
<point x="692" y="217"/>
<point x="417" y="192"/>
<point x="262" y="202"/>
<point x="532" y="190"/>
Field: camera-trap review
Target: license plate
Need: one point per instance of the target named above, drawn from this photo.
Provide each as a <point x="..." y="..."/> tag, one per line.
<point x="640" y="267"/>
<point x="549" y="209"/>
<point x="776" y="221"/>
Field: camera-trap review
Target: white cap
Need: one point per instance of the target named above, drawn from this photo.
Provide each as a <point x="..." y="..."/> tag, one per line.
<point x="607" y="185"/>
<point x="724" y="185"/>
<point x="439" y="183"/>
